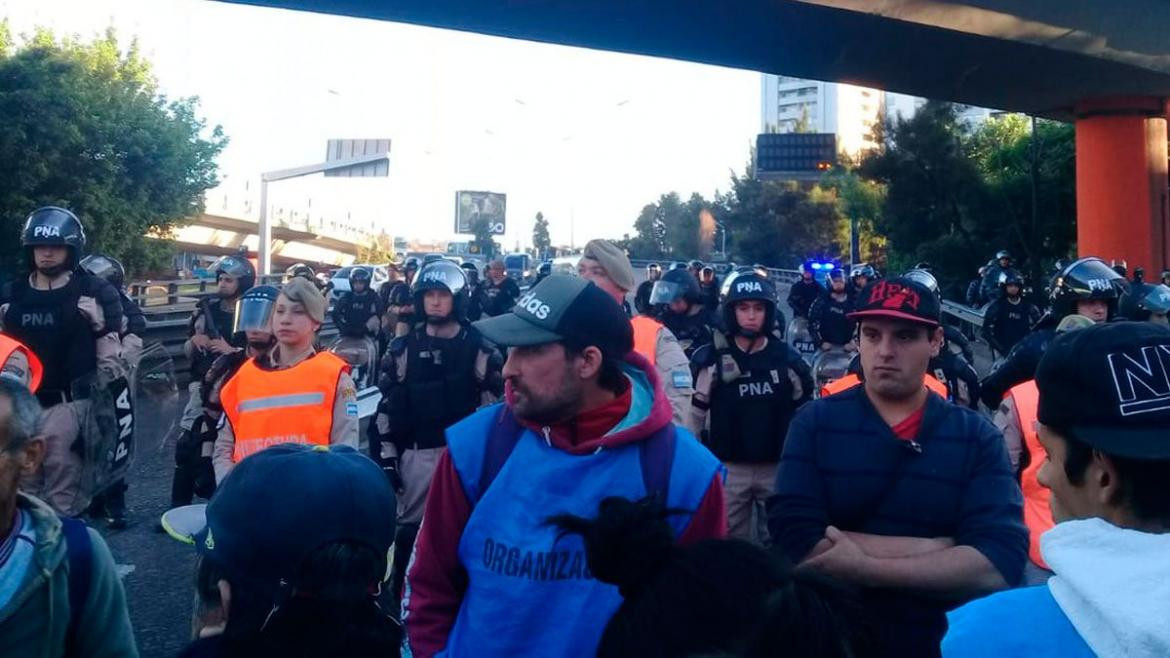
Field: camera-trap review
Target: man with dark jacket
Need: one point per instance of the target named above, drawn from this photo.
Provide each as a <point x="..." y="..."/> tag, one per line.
<point x="891" y="488"/>
<point x="499" y="292"/>
<point x="828" y="319"/>
<point x="1009" y="318"/>
<point x="803" y="293"/>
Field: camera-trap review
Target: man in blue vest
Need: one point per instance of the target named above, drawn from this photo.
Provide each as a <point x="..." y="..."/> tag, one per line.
<point x="585" y="418"/>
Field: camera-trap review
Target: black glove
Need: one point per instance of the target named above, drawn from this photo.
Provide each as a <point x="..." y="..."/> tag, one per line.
<point x="390" y="468"/>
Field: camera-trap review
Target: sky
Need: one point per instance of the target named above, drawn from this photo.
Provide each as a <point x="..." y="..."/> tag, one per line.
<point x="585" y="137"/>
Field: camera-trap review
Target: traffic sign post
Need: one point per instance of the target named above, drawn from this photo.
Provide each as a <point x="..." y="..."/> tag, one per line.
<point x="350" y="158"/>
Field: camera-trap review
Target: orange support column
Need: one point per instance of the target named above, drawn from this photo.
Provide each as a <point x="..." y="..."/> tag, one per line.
<point x="1122" y="181"/>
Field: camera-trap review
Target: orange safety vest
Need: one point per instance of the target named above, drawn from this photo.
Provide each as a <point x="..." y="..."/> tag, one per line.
<point x="646" y="336"/>
<point x="1037" y="512"/>
<point x="849" y="381"/>
<point x="8" y="346"/>
<point x="293" y="405"/>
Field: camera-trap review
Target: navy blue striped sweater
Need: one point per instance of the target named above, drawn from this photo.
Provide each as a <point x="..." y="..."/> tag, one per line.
<point x="842" y="465"/>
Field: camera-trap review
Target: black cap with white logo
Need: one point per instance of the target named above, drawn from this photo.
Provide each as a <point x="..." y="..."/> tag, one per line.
<point x="561" y="308"/>
<point x="1109" y="386"/>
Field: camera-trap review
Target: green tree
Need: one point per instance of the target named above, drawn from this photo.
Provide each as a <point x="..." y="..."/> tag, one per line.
<point x="83" y="125"/>
<point x="540" y="237"/>
<point x="780" y="223"/>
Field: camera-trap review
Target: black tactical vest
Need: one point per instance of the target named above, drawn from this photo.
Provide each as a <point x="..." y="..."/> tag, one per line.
<point x="223" y="320"/>
<point x="51" y="325"/>
<point x="441" y="388"/>
<point x="750" y="414"/>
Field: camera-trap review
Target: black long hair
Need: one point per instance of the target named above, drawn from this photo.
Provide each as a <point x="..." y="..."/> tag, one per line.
<point x="713" y="598"/>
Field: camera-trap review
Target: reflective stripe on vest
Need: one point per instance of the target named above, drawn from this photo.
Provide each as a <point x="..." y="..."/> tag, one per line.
<point x="1037" y="513"/>
<point x="849" y="381"/>
<point x="293" y="405"/>
<point x="646" y="336"/>
<point x="10" y="346"/>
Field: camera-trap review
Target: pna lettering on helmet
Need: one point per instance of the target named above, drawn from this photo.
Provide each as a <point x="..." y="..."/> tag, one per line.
<point x="1099" y="284"/>
<point x="749" y="286"/>
<point x="47" y="231"/>
<point x="535" y="306"/>
<point x="434" y="275"/>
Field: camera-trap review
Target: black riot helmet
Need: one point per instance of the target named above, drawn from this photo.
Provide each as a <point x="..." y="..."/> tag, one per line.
<point x="678" y="265"/>
<point x="237" y="267"/>
<point x="864" y="270"/>
<point x="653" y="271"/>
<point x="924" y="278"/>
<point x="105" y="267"/>
<point x="748" y="286"/>
<point x="1003" y="254"/>
<point x="695" y="265"/>
<point x="254" y="309"/>
<point x="471" y="271"/>
<point x="1155" y="304"/>
<point x="53" y="226"/>
<point x="1139" y="274"/>
<point x="836" y="274"/>
<point x="1011" y="278"/>
<point x="1120" y="266"/>
<point x="411" y="265"/>
<point x="707" y="274"/>
<point x="441" y="275"/>
<point x="301" y="270"/>
<point x="1087" y="278"/>
<point x="360" y="275"/>
<point x="675" y="284"/>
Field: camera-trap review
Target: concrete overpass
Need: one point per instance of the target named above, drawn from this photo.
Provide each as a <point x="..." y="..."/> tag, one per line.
<point x="221" y="234"/>
<point x="1104" y="65"/>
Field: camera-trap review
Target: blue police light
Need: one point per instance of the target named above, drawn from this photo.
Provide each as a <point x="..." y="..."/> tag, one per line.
<point x="816" y="266"/>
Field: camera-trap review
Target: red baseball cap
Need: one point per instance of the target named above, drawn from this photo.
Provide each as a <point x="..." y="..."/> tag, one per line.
<point x="900" y="298"/>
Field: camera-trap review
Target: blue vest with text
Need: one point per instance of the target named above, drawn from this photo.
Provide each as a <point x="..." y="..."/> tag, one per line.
<point x="529" y="593"/>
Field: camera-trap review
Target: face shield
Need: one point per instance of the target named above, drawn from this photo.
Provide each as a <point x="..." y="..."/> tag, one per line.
<point x="665" y="292"/>
<point x="254" y="314"/>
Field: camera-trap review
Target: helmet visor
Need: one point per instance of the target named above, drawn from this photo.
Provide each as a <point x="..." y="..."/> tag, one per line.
<point x="254" y="314"/>
<point x="665" y="292"/>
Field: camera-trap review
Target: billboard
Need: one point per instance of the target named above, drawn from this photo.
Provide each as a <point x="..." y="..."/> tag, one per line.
<point x="470" y="206"/>
<point x="796" y="152"/>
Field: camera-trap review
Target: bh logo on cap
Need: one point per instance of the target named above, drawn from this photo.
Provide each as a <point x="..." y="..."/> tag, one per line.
<point x="1142" y="380"/>
<point x="749" y="286"/>
<point x="532" y="304"/>
<point x="893" y="295"/>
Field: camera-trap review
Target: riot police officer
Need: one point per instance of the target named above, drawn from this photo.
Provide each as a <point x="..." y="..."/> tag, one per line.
<point x="1086" y="287"/>
<point x="300" y="270"/>
<point x="828" y="320"/>
<point x="474" y="311"/>
<point x="194" y="475"/>
<point x="709" y="288"/>
<point x="111" y="503"/>
<point x="804" y="292"/>
<point x="859" y="276"/>
<point x="70" y="320"/>
<point x="434" y="376"/>
<point x="1009" y="318"/>
<point x="749" y="386"/>
<point x="356" y="313"/>
<point x="682" y="310"/>
<point x="642" y="295"/>
<point x="1002" y="265"/>
<point x="398" y="296"/>
<point x="210" y="328"/>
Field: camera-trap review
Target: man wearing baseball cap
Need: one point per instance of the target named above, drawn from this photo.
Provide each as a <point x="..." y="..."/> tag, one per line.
<point x="1104" y="420"/>
<point x="293" y="553"/>
<point x="584" y="419"/>
<point x="891" y="488"/>
<point x="606" y="265"/>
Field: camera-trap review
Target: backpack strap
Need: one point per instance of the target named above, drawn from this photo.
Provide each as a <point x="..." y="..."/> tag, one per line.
<point x="656" y="456"/>
<point x="502" y="439"/>
<point x="79" y="552"/>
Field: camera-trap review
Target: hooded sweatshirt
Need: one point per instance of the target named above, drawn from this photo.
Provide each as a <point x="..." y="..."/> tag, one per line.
<point x="1108" y="597"/>
<point x="459" y="594"/>
<point x="34" y="622"/>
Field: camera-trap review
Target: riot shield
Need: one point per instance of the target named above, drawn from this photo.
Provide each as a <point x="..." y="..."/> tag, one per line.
<point x="155" y="392"/>
<point x="105" y="417"/>
<point x="362" y="356"/>
<point x="828" y="367"/>
<point x="801" y="340"/>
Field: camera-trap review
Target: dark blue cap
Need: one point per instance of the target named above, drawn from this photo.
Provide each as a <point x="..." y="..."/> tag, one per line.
<point x="282" y="503"/>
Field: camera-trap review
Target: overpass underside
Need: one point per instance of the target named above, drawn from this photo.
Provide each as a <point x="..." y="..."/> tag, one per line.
<point x="1104" y="65"/>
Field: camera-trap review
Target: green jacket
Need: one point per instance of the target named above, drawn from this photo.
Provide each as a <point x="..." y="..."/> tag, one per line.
<point x="34" y="622"/>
